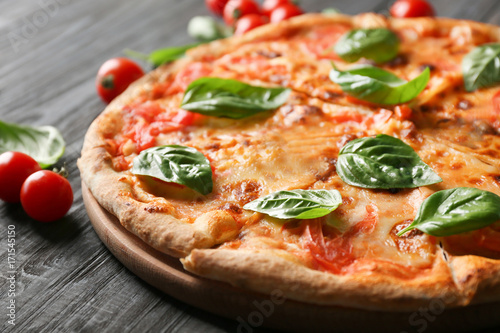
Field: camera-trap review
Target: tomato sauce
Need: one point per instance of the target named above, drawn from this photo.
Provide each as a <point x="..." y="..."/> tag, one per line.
<point x="331" y="250"/>
<point x="483" y="242"/>
<point x="378" y="118"/>
<point x="142" y="124"/>
<point x="346" y="116"/>
<point x="189" y="74"/>
<point x="254" y="66"/>
<point x="322" y="40"/>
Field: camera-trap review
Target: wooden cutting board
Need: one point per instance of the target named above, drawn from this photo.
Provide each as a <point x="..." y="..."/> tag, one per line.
<point x="252" y="310"/>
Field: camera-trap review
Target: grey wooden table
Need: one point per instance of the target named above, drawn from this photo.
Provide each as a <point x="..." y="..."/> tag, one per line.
<point x="65" y="278"/>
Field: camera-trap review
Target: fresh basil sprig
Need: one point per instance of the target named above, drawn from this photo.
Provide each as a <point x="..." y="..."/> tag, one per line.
<point x="166" y="55"/>
<point x="455" y="211"/>
<point x="297" y="204"/>
<point x="383" y="162"/>
<point x="176" y="164"/>
<point x="206" y="29"/>
<point x="231" y="98"/>
<point x="379" y="45"/>
<point x="44" y="144"/>
<point x="331" y="11"/>
<point x="161" y="56"/>
<point x="481" y="67"/>
<point x="202" y="28"/>
<point x="376" y="85"/>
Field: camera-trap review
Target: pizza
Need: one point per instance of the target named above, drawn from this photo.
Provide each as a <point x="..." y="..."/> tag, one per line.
<point x="349" y="160"/>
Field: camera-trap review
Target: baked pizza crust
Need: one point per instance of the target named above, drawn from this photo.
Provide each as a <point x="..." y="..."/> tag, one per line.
<point x="151" y="220"/>
<point x="457" y="280"/>
<point x="265" y="271"/>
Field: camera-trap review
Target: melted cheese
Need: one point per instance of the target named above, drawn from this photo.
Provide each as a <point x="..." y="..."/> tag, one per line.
<point x="297" y="146"/>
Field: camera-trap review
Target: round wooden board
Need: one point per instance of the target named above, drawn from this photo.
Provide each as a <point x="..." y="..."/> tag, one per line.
<point x="253" y="310"/>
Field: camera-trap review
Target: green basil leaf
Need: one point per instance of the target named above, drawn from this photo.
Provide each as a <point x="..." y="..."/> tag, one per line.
<point x="297" y="204"/>
<point x="454" y="211"/>
<point x="231" y="98"/>
<point x="44" y="144"/>
<point x="161" y="56"/>
<point x="176" y="164"/>
<point x="379" y="45"/>
<point x="383" y="162"/>
<point x="376" y="85"/>
<point x="331" y="11"/>
<point x="202" y="28"/>
<point x="166" y="55"/>
<point x="481" y="67"/>
<point x="207" y="29"/>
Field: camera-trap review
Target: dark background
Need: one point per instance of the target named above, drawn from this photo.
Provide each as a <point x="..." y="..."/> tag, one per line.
<point x="50" y="50"/>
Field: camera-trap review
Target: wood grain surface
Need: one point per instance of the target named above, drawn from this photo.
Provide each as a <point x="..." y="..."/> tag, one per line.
<point x="66" y="280"/>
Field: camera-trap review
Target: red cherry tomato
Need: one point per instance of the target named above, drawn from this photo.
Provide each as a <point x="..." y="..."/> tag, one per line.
<point x="284" y="12"/>
<point x="46" y="196"/>
<point x="249" y="22"/>
<point x="411" y="8"/>
<point x="269" y="5"/>
<point x="15" y="167"/>
<point x="114" y="76"/>
<point x="216" y="6"/>
<point x="238" y="8"/>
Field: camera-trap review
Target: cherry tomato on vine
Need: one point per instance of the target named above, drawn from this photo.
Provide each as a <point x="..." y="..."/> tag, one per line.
<point x="249" y="22"/>
<point x="15" y="167"/>
<point x="216" y="6"/>
<point x="411" y="8"/>
<point x="269" y="5"/>
<point x="284" y="12"/>
<point x="46" y="196"/>
<point x="238" y="8"/>
<point x="114" y="76"/>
